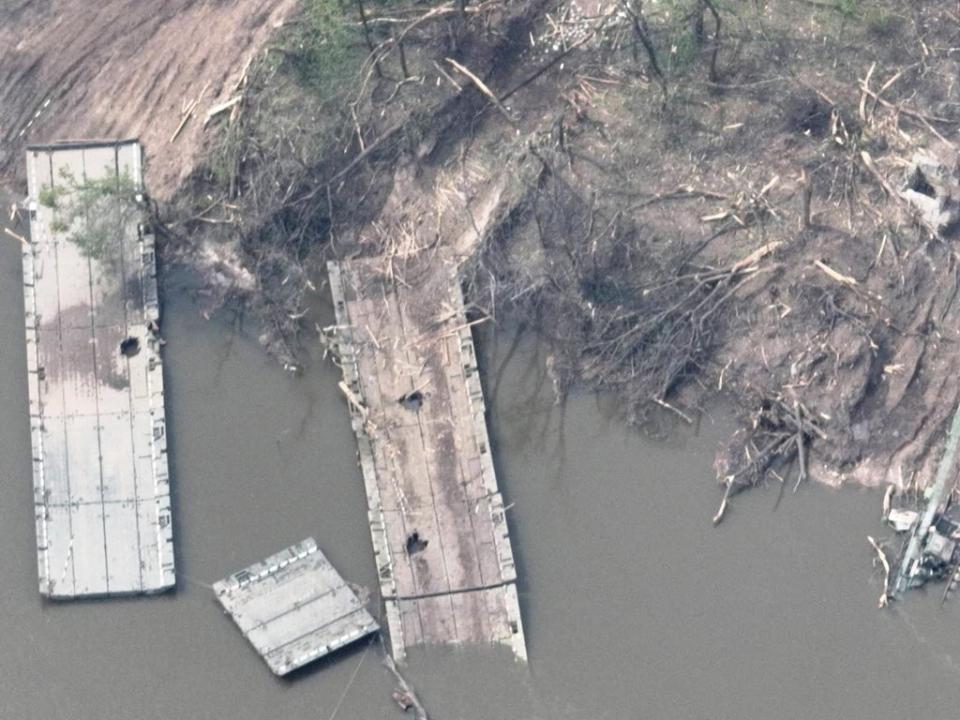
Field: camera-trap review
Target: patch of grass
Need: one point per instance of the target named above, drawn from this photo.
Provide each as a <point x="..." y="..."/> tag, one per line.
<point x="882" y="25"/>
<point x="850" y="9"/>
<point x="95" y="212"/>
<point x="326" y="47"/>
<point x="683" y="51"/>
<point x="48" y="196"/>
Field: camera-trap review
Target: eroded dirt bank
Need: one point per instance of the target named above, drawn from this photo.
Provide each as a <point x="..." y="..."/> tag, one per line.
<point x="679" y="232"/>
<point x="71" y="69"/>
<point x="684" y="207"/>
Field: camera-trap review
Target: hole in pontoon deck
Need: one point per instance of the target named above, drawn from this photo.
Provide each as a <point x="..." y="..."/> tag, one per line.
<point x="415" y="543"/>
<point x="412" y="401"/>
<point x="130" y="347"/>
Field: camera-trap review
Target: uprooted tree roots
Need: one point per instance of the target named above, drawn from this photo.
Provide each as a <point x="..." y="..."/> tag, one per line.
<point x="625" y="309"/>
<point x="779" y="434"/>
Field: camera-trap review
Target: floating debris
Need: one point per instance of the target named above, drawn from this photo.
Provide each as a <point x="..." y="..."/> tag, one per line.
<point x="902" y="520"/>
<point x="931" y="551"/>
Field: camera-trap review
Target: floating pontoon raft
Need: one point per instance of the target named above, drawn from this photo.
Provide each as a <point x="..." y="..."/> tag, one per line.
<point x="294" y="607"/>
<point x="101" y="484"/>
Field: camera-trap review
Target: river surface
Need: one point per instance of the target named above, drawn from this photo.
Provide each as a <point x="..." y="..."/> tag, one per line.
<point x="635" y="606"/>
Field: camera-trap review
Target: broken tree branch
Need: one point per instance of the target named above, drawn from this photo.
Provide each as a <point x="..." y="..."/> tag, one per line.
<point x="16" y="236"/>
<point x="481" y="86"/>
<point x="882" y="557"/>
<point x="641" y="34"/>
<point x="221" y="108"/>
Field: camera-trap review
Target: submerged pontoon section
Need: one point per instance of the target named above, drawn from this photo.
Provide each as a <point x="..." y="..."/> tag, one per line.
<point x="101" y="482"/>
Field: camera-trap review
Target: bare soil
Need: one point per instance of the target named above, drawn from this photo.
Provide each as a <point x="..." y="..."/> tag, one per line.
<point x="74" y="70"/>
<point x="661" y="244"/>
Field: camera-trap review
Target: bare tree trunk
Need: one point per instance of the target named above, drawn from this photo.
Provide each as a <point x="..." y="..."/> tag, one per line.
<point x="641" y="34"/>
<point x="806" y="197"/>
<point x="714" y="76"/>
<point x="366" y="35"/>
<point x="403" y="60"/>
<point x="460" y="26"/>
<point x="699" y="36"/>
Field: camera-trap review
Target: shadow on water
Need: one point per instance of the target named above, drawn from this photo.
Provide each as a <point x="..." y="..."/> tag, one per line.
<point x="496" y="376"/>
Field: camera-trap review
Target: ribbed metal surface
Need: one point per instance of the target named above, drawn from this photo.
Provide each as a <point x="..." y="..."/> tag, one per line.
<point x="294" y="607"/>
<point x="101" y="482"/>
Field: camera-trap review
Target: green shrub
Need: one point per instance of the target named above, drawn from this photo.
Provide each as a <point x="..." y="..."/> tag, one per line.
<point x="325" y="48"/>
<point x="849" y="8"/>
<point x="882" y="25"/>
<point x="48" y="196"/>
<point x="683" y="50"/>
<point x="96" y="212"/>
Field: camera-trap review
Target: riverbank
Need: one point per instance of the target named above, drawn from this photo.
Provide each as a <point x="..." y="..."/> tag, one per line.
<point x="737" y="238"/>
<point x="680" y="231"/>
<point x="715" y="213"/>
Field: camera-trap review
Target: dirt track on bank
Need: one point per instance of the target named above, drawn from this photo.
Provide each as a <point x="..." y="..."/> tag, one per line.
<point x="71" y="69"/>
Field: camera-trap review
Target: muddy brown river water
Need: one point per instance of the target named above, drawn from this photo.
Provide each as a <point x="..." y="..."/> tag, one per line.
<point x="635" y="606"/>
